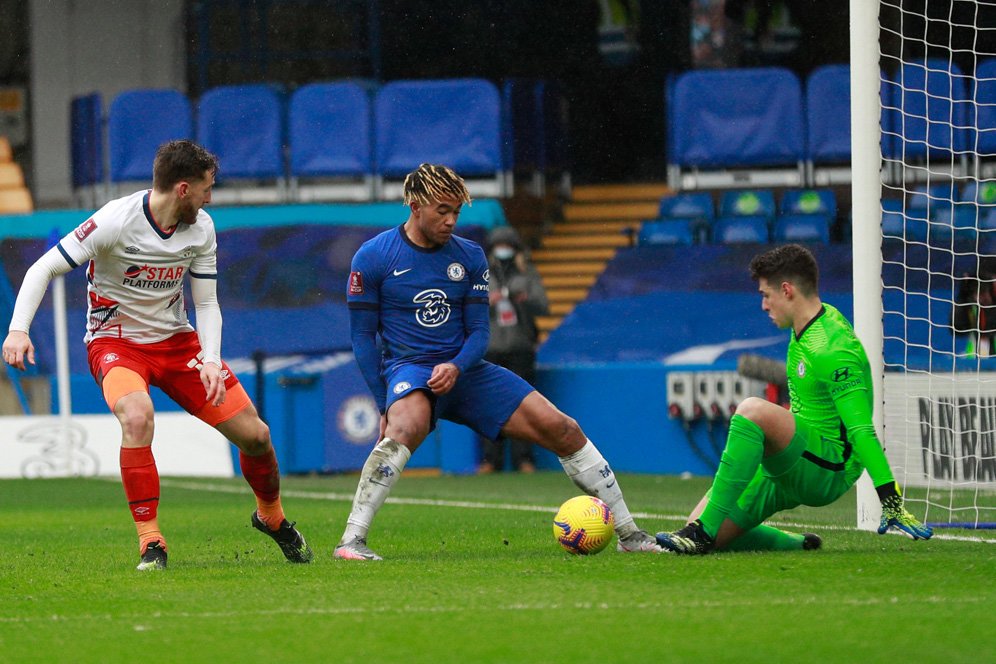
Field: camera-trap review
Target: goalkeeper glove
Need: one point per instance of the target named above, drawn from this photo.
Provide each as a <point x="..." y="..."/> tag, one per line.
<point x="894" y="514"/>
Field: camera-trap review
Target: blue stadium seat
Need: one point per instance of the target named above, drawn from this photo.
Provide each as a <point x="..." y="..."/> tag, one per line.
<point x="893" y="221"/>
<point x="737" y="117"/>
<point x="982" y="113"/>
<point x="828" y="114"/>
<point x="138" y="122"/>
<point x="668" y="231"/>
<point x="86" y="140"/>
<point x="740" y="229"/>
<point x="809" y="201"/>
<point x="981" y="193"/>
<point x="959" y="219"/>
<point x="243" y="125"/>
<point x="454" y="122"/>
<point x="802" y="228"/>
<point x="750" y="202"/>
<point x="927" y="197"/>
<point x="329" y="130"/>
<point x="927" y="110"/>
<point x="691" y="205"/>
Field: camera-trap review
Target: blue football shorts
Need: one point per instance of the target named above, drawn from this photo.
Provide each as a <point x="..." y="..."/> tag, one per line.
<point x="483" y="398"/>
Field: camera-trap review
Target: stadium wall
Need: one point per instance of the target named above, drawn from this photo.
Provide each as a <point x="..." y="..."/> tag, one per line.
<point x="104" y="46"/>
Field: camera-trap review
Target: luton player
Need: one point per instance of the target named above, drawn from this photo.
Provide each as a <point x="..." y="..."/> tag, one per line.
<point x="138" y="251"/>
<point x="424" y="291"/>
<point x="776" y="459"/>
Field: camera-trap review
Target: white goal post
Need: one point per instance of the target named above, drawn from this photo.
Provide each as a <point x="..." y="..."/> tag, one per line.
<point x="920" y="234"/>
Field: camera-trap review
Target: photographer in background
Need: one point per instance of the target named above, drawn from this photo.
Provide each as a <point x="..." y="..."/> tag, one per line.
<point x="975" y="309"/>
<point x="517" y="297"/>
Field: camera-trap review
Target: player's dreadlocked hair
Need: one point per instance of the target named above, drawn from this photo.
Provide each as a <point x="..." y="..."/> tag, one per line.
<point x="791" y="262"/>
<point x="431" y="182"/>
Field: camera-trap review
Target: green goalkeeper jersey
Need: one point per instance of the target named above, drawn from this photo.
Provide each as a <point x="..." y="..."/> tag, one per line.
<point x="830" y="389"/>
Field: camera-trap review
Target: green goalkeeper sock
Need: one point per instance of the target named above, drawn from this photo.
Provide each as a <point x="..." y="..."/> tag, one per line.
<point x="741" y="458"/>
<point x="766" y="538"/>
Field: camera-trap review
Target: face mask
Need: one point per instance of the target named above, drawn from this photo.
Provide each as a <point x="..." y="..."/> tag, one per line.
<point x="504" y="253"/>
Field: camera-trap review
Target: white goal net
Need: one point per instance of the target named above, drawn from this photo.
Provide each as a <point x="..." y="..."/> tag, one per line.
<point x="937" y="63"/>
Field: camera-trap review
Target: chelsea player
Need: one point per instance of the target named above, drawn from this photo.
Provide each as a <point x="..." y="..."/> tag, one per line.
<point x="424" y="290"/>
<point x="776" y="459"/>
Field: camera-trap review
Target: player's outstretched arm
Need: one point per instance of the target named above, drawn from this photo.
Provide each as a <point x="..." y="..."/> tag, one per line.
<point x="17" y="348"/>
<point x="895" y="516"/>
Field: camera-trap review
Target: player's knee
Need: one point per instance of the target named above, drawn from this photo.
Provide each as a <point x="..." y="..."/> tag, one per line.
<point x="753" y="409"/>
<point x="407" y="431"/>
<point x="137" y="423"/>
<point x="257" y="439"/>
<point x="561" y="433"/>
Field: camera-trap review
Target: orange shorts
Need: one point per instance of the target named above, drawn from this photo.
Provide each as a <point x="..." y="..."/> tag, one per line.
<point x="172" y="365"/>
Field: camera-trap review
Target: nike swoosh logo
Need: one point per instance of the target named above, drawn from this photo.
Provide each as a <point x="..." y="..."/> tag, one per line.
<point x="610" y="484"/>
<point x="398" y="273"/>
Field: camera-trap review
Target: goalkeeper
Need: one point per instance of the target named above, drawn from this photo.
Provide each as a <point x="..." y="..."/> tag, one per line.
<point x="776" y="459"/>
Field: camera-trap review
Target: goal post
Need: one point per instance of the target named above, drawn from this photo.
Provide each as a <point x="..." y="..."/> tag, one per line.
<point x="921" y="108"/>
<point x="866" y="231"/>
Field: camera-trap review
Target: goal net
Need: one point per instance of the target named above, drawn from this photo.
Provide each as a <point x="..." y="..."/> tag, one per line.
<point x="937" y="87"/>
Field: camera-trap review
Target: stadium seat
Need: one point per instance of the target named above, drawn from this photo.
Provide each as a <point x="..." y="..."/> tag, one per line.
<point x="138" y="122"/>
<point x="740" y="229"/>
<point x="959" y="219"/>
<point x="329" y="132"/>
<point x="926" y="197"/>
<point x="454" y="122"/>
<point x="927" y="110"/>
<point x="669" y="231"/>
<point x="809" y="201"/>
<point x="828" y="114"/>
<point x="802" y="228"/>
<point x="982" y="113"/>
<point x="893" y="221"/>
<point x="243" y="125"/>
<point x="690" y="205"/>
<point x="981" y="193"/>
<point x="746" y="120"/>
<point x="86" y="140"/>
<point x="751" y="202"/>
<point x="534" y="132"/>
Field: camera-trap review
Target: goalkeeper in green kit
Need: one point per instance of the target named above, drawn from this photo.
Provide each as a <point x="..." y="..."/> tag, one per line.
<point x="776" y="459"/>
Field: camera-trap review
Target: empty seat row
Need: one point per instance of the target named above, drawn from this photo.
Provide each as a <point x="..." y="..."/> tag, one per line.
<point x="803" y="215"/>
<point x="326" y="130"/>
<point x="762" y="118"/>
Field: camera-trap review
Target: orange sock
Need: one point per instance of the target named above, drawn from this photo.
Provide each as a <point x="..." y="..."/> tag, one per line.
<point x="263" y="476"/>
<point x="148" y="532"/>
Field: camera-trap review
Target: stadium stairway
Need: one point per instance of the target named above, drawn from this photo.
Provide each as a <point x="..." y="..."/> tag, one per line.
<point x="598" y="220"/>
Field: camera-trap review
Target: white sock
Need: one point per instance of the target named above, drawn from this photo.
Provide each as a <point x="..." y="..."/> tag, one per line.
<point x="380" y="472"/>
<point x="589" y="470"/>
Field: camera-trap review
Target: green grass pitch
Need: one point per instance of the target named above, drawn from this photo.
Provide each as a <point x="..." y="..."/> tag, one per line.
<point x="471" y="574"/>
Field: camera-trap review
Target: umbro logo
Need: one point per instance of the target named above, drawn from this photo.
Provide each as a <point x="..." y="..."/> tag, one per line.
<point x="132" y="250"/>
<point x="398" y="273"/>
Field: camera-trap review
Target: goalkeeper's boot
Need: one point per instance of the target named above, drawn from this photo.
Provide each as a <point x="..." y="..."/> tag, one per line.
<point x="288" y="538"/>
<point x="355" y="549"/>
<point x="153" y="556"/>
<point x="811" y="541"/>
<point x="638" y="541"/>
<point x="691" y="540"/>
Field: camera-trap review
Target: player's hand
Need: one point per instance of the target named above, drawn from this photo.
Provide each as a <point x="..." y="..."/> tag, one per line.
<point x="214" y="384"/>
<point x="444" y="377"/>
<point x="895" y="516"/>
<point x="16" y="347"/>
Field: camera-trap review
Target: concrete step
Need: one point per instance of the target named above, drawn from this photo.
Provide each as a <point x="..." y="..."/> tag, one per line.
<point x="566" y="294"/>
<point x="599" y="211"/>
<point x="586" y="241"/>
<point x="646" y="191"/>
<point x="572" y="268"/>
<point x="570" y="281"/>
<point x="578" y="227"/>
<point x="562" y="255"/>
<point x="560" y="309"/>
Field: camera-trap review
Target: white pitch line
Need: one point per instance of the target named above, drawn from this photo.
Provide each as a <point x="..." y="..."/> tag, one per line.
<point x="431" y="502"/>
<point x="142" y="619"/>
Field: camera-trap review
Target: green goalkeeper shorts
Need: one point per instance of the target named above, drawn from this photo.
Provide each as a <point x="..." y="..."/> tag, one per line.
<point x="812" y="470"/>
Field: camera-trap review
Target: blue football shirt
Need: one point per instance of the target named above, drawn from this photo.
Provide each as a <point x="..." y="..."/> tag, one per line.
<point x="419" y="293"/>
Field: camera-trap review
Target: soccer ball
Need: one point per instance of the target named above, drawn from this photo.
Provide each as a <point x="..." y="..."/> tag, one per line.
<point x="583" y="525"/>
